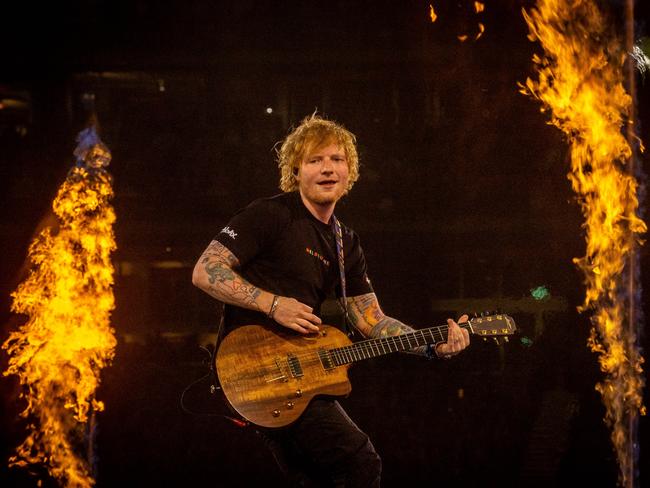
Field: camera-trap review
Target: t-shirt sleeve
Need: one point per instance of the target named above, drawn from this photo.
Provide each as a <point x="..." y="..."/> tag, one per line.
<point x="252" y="229"/>
<point x="356" y="270"/>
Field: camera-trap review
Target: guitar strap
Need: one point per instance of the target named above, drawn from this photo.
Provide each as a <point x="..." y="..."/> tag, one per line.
<point x="338" y="234"/>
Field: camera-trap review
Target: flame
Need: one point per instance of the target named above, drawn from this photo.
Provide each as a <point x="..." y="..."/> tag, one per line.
<point x="478" y="8"/>
<point x="481" y="30"/>
<point x="59" y="352"/>
<point x="581" y="81"/>
<point x="432" y="14"/>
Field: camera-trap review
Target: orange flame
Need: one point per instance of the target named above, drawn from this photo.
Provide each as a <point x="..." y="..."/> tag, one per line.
<point x="478" y="8"/>
<point x="581" y="81"/>
<point x="432" y="14"/>
<point x="59" y="352"/>
<point x="481" y="30"/>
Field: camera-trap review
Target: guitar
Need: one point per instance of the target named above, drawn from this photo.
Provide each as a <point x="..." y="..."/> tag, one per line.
<point x="269" y="375"/>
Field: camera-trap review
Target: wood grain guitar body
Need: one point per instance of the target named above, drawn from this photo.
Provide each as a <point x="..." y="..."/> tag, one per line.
<point x="269" y="376"/>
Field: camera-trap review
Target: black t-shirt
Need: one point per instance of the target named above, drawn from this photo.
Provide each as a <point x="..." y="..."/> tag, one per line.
<point x="283" y="249"/>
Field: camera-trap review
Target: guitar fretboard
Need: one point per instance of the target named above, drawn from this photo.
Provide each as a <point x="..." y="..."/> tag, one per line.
<point x="371" y="348"/>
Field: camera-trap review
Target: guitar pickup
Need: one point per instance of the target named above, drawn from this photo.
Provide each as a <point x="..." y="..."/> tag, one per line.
<point x="294" y="366"/>
<point x="326" y="359"/>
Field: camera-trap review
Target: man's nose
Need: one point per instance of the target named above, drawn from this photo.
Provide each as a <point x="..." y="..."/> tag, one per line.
<point x="326" y="167"/>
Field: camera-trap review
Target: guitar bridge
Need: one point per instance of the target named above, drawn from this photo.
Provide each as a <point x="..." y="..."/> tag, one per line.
<point x="281" y="376"/>
<point x="294" y="366"/>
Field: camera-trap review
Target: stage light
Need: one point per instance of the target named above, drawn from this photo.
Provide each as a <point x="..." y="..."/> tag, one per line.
<point x="540" y="293"/>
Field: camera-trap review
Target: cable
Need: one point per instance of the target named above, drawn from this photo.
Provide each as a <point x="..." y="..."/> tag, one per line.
<point x="214" y="386"/>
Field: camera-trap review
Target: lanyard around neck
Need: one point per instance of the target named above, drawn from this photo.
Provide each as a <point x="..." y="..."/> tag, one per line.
<point x="338" y="234"/>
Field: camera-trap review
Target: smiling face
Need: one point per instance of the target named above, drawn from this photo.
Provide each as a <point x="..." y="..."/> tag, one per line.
<point x="313" y="133"/>
<point x="323" y="175"/>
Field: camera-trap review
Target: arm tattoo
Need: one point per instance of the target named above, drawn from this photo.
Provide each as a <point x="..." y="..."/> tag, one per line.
<point x="224" y="283"/>
<point x="371" y="321"/>
<point x="389" y="326"/>
<point x="368" y="309"/>
<point x="366" y="315"/>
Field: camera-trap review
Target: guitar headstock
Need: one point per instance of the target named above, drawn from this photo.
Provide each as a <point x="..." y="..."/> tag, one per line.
<point x="494" y="326"/>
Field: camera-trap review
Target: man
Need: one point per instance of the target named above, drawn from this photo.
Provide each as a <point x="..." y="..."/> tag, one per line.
<point x="276" y="262"/>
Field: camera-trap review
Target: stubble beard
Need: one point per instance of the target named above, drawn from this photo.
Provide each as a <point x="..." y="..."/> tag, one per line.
<point x="326" y="198"/>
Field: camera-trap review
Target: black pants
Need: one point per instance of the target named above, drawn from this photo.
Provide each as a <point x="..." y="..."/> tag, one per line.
<point x="325" y="448"/>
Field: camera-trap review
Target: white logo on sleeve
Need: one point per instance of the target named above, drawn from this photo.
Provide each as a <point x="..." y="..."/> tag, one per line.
<point x="229" y="231"/>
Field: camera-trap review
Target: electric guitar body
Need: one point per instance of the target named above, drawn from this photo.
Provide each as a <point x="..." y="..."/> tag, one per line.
<point x="270" y="376"/>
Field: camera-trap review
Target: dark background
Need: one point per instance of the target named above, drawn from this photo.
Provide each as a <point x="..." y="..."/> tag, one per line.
<point x="463" y="205"/>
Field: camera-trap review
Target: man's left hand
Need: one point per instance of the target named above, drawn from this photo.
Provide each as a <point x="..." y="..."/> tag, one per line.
<point x="457" y="339"/>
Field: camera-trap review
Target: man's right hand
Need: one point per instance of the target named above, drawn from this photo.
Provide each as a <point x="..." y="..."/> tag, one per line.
<point x="294" y="315"/>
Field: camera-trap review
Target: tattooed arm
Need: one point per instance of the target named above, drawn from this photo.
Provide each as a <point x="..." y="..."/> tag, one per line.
<point x="215" y="273"/>
<point x="366" y="315"/>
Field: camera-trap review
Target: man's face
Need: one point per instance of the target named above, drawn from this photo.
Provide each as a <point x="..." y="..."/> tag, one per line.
<point x="323" y="175"/>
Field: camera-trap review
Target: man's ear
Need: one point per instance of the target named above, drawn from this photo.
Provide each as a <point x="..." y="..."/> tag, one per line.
<point x="295" y="173"/>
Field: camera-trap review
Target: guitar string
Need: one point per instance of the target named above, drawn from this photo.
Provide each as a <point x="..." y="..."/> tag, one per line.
<point x="370" y="348"/>
<point x="366" y="349"/>
<point x="356" y="350"/>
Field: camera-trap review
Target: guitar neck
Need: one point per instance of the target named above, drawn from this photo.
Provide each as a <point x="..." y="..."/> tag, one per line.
<point x="372" y="348"/>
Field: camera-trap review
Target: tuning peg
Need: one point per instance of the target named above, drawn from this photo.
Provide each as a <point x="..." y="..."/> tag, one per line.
<point x="505" y="339"/>
<point x="485" y="339"/>
<point x="496" y="340"/>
